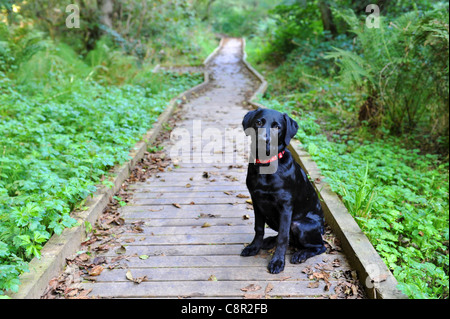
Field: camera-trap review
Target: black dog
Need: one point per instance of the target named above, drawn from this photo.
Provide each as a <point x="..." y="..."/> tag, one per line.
<point x="286" y="199"/>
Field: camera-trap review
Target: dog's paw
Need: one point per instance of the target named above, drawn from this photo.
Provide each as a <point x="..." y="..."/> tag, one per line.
<point x="298" y="257"/>
<point x="250" y="251"/>
<point x="276" y="265"/>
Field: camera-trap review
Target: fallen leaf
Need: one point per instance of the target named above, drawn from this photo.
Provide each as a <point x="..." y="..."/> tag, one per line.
<point x="269" y="288"/>
<point x="119" y="221"/>
<point x="188" y="185"/>
<point x="242" y="196"/>
<point x="206" y="174"/>
<point x="313" y="284"/>
<point x="285" y="278"/>
<point x="249" y="201"/>
<point x="336" y="263"/>
<point x="212" y="278"/>
<point x="99" y="260"/>
<point x="137" y="280"/>
<point x="203" y="215"/>
<point x="380" y="278"/>
<point x="206" y="225"/>
<point x="129" y="275"/>
<point x="251" y="287"/>
<point x="84" y="257"/>
<point x="97" y="270"/>
<point x="176" y="205"/>
<point x="136" y="227"/>
<point x="143" y="257"/>
<point x="246" y="217"/>
<point x="228" y="193"/>
<point x="121" y="250"/>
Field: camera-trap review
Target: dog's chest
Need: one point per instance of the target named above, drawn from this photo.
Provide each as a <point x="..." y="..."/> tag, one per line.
<point x="265" y="189"/>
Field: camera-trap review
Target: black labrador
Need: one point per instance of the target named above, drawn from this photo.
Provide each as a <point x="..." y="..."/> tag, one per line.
<point x="285" y="199"/>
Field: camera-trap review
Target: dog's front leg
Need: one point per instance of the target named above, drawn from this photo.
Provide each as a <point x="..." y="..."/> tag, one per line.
<point x="276" y="264"/>
<point x="253" y="248"/>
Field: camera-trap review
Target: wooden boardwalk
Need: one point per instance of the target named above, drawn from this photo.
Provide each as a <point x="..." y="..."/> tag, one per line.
<point x="194" y="217"/>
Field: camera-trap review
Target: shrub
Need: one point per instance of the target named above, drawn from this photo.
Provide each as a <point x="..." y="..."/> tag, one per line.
<point x="403" y="69"/>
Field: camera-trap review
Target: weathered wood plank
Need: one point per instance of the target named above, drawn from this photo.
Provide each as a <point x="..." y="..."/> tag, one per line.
<point x="199" y="230"/>
<point x="188" y="239"/>
<point x="232" y="194"/>
<point x="176" y="182"/>
<point x="204" y="289"/>
<point x="196" y="176"/>
<point x="147" y="188"/>
<point x="163" y="222"/>
<point x="183" y="214"/>
<point x="205" y="273"/>
<point x="187" y="207"/>
<point x="187" y="200"/>
<point x="218" y="261"/>
<point x="179" y="250"/>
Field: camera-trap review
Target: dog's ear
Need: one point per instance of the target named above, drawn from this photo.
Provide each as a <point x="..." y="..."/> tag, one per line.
<point x="248" y="118"/>
<point x="291" y="129"/>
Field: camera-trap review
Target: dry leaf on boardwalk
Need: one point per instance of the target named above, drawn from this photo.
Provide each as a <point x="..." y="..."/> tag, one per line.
<point x="97" y="270"/>
<point x="137" y="280"/>
<point x="251" y="287"/>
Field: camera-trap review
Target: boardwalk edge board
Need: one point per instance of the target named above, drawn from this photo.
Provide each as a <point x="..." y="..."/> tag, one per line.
<point x="59" y="247"/>
<point x="374" y="275"/>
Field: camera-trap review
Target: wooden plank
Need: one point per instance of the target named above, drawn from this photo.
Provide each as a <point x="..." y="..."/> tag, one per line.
<point x="197" y="194"/>
<point x="198" y="230"/>
<point x="208" y="184"/>
<point x="218" y="261"/>
<point x="204" y="289"/>
<point x="179" y="250"/>
<point x="194" y="188"/>
<point x="160" y="182"/>
<point x="158" y="213"/>
<point x="196" y="176"/>
<point x="204" y="273"/>
<point x="186" y="208"/>
<point x="188" y="239"/>
<point x="187" y="200"/>
<point x="163" y="222"/>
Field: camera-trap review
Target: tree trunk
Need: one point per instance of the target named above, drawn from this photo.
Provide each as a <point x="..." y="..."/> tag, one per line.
<point x="327" y="18"/>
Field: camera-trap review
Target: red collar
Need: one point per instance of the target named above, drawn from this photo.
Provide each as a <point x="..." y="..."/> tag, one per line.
<point x="273" y="158"/>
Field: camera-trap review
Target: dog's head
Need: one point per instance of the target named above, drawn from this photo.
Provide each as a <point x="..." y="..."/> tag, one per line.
<point x="258" y="123"/>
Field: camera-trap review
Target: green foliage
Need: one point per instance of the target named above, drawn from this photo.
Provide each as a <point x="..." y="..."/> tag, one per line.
<point x="240" y="18"/>
<point x="403" y="69"/>
<point x="53" y="153"/>
<point x="65" y="120"/>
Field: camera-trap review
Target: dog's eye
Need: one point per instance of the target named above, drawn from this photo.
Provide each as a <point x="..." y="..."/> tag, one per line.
<point x="259" y="122"/>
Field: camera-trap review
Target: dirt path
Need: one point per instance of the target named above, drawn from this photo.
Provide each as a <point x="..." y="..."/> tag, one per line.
<point x="181" y="233"/>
